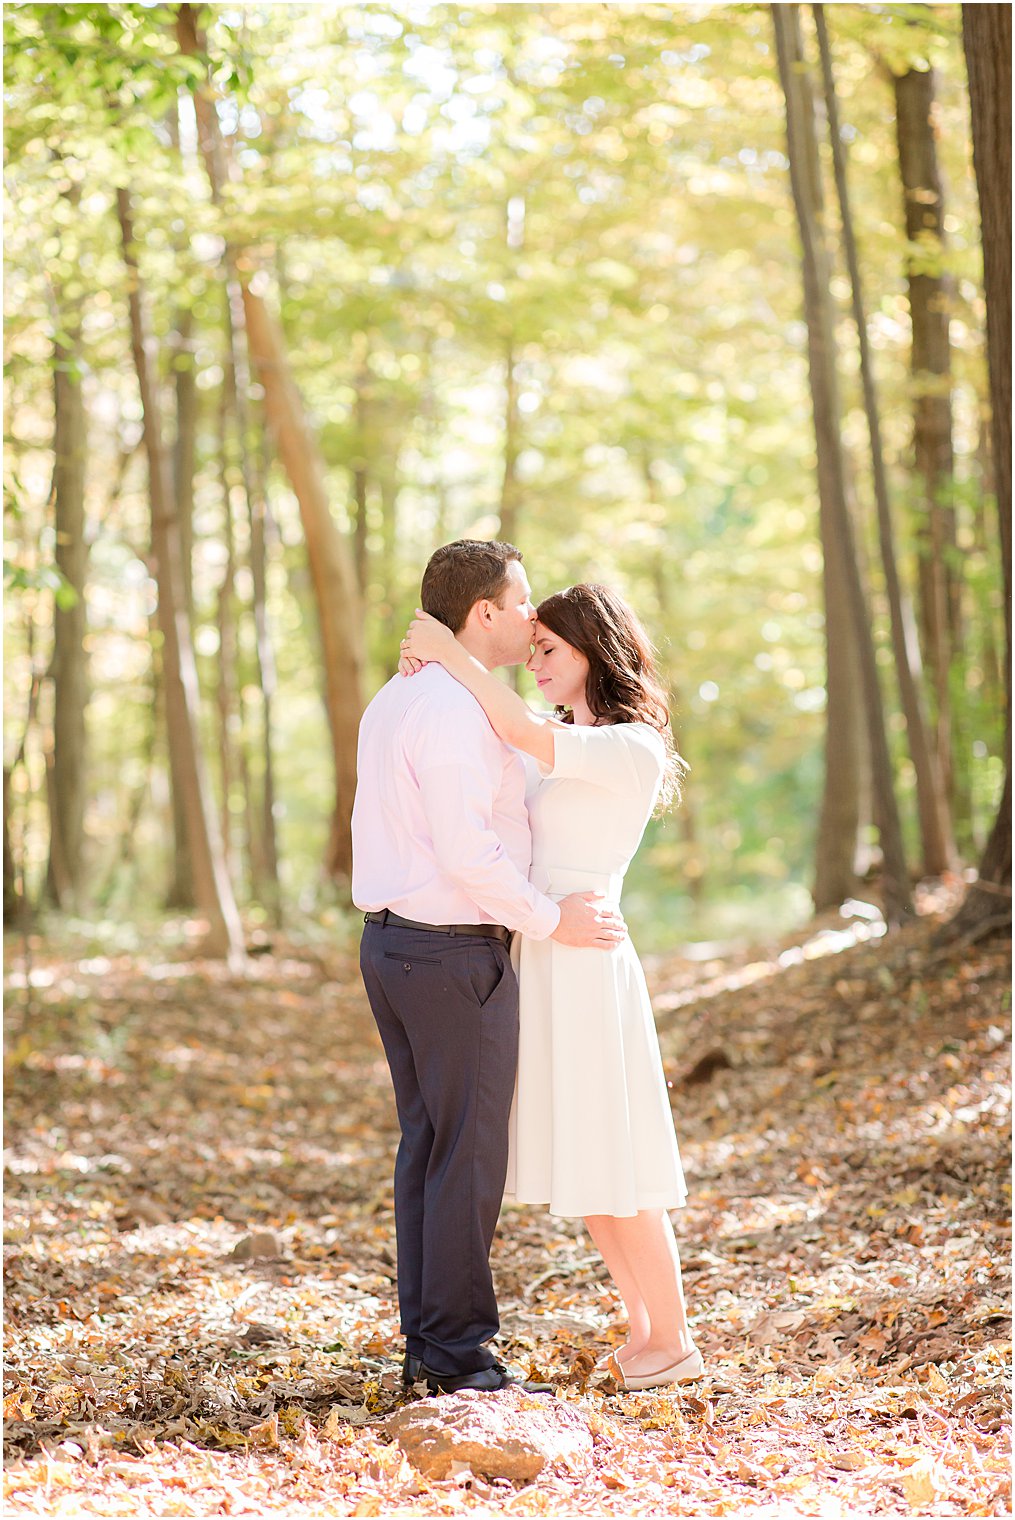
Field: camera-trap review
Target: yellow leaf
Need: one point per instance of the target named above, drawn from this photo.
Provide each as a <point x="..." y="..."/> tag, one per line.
<point x="922" y="1484"/>
<point x="265" y="1434"/>
<point x="18" y="1405"/>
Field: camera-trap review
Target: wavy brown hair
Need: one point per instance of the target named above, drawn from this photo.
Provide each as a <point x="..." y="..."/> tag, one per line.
<point x="622" y="685"/>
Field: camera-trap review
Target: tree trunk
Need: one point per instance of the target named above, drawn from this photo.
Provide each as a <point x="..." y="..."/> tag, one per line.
<point x="360" y="476"/>
<point x="930" y="363"/>
<point x="838" y="839"/>
<point x="181" y="886"/>
<point x="262" y="849"/>
<point x="387" y="484"/>
<point x="804" y="177"/>
<point x="262" y="839"/>
<point x="935" y="823"/>
<point x="213" y="889"/>
<point x="265" y="866"/>
<point x="332" y="569"/>
<point x="65" y="875"/>
<point x="226" y="694"/>
<point x="695" y="863"/>
<point x="987" y="41"/>
<point x="13" y="898"/>
<point x="984" y="538"/>
<point x="509" y="490"/>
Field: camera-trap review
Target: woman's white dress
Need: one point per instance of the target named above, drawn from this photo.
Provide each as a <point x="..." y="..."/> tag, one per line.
<point x="591" y="1130"/>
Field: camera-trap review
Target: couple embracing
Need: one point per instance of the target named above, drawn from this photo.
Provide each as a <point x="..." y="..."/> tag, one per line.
<point x="490" y="844"/>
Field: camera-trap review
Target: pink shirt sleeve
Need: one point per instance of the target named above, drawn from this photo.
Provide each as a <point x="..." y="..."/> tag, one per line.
<point x="458" y="783"/>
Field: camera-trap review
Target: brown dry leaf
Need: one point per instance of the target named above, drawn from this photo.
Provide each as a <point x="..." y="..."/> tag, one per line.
<point x="265" y="1434"/>
<point x="850" y="1306"/>
<point x="924" y="1483"/>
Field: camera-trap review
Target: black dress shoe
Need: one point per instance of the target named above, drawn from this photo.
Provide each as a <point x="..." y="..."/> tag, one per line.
<point x="487" y="1380"/>
<point x="412" y="1370"/>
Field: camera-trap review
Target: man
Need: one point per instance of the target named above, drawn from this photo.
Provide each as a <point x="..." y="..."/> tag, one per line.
<point x="440" y="853"/>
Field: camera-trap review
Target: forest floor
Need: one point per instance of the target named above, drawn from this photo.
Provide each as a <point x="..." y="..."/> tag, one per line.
<point x="842" y="1104"/>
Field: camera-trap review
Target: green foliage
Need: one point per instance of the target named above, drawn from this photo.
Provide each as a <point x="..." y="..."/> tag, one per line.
<point x="598" y="192"/>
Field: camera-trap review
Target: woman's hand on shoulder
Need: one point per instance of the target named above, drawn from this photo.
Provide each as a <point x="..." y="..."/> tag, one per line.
<point x="426" y="639"/>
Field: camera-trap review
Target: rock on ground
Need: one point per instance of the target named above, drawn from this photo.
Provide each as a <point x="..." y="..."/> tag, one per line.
<point x="507" y="1434"/>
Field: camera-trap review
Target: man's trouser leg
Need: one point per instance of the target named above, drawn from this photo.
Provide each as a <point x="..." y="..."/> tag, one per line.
<point x="447" y="1010"/>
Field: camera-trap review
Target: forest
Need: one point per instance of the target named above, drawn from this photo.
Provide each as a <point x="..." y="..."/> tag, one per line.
<point x="708" y="302"/>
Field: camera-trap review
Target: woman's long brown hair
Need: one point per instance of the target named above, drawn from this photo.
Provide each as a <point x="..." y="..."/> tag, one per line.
<point x="622" y="685"/>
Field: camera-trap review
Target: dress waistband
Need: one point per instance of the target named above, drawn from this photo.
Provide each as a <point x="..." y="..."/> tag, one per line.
<point x="559" y="881"/>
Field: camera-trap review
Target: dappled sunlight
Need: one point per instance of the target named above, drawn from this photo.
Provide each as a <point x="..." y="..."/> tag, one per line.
<point x="842" y="1244"/>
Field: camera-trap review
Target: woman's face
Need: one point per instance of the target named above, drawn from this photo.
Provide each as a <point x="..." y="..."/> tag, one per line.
<point x="559" y="669"/>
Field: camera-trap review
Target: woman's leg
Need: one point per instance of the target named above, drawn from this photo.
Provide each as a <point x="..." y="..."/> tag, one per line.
<point x="647" y="1246"/>
<point x="602" y="1228"/>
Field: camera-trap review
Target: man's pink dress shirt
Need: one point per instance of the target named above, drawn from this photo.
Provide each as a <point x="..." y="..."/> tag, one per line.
<point x="440" y="832"/>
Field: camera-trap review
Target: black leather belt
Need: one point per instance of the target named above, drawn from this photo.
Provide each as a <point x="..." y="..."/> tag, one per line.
<point x="488" y="931"/>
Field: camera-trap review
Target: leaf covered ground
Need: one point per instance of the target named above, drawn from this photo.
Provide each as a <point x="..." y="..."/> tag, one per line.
<point x="843" y="1108"/>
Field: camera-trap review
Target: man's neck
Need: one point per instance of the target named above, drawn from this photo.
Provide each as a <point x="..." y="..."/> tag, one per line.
<point x="476" y="647"/>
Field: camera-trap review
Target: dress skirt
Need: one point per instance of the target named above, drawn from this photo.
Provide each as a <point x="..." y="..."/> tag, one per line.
<point x="591" y="1130"/>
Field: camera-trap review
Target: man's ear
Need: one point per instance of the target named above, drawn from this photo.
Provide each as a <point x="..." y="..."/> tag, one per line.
<point x="480" y="615"/>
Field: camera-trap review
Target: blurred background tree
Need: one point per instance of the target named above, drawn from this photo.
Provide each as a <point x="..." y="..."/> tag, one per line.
<point x="523" y="270"/>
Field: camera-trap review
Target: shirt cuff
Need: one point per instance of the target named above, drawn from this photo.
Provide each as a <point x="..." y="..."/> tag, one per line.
<point x="543" y="921"/>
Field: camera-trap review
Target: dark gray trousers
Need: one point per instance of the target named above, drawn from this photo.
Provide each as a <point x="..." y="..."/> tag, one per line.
<point x="447" y="1011"/>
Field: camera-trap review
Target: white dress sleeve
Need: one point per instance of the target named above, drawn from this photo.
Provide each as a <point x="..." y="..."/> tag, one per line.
<point x="620" y="758"/>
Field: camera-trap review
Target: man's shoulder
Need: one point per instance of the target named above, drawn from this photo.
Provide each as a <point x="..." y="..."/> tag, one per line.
<point x="423" y="702"/>
<point x="436" y="698"/>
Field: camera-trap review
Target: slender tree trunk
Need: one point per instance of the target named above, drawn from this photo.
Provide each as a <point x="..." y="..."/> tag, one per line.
<point x="985" y="545"/>
<point x="13" y="900"/>
<point x="930" y="363"/>
<point x="510" y="494"/>
<point x="987" y="39"/>
<point x="262" y="849"/>
<point x="694" y="875"/>
<point x="181" y="886"/>
<point x="802" y="146"/>
<point x="235" y="772"/>
<point x="267" y="864"/>
<point x="838" y="839"/>
<point x="211" y="881"/>
<point x="388" y="487"/>
<point x="360" y="459"/>
<point x="935" y="823"/>
<point x="509" y="490"/>
<point x="333" y="572"/>
<point x="261" y="841"/>
<point x="17" y="908"/>
<point x="226" y="689"/>
<point x="67" y="779"/>
<point x="122" y="854"/>
<point x="987" y="42"/>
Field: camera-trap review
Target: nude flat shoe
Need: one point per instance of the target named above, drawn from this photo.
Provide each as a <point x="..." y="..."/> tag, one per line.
<point x="687" y="1370"/>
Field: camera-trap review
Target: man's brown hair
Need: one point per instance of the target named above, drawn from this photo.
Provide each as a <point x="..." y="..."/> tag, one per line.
<point x="461" y="574"/>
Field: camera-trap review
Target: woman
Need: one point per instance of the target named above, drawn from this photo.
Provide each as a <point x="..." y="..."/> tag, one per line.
<point x="591" y="1130"/>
